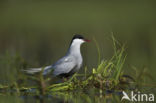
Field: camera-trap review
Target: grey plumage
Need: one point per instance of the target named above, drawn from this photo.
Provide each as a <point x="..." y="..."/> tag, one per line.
<point x="67" y="65"/>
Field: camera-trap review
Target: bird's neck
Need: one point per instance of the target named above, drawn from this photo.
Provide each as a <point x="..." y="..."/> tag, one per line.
<point x="74" y="50"/>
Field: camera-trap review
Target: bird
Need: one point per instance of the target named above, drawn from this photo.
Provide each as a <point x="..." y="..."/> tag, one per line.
<point x="68" y="64"/>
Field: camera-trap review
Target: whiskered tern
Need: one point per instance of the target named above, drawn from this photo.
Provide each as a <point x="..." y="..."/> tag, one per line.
<point x="67" y="65"/>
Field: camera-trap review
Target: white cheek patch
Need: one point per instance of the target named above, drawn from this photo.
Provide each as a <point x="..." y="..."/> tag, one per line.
<point x="78" y="41"/>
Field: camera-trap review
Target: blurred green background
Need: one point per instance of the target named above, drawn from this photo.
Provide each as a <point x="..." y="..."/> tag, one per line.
<point x="40" y="31"/>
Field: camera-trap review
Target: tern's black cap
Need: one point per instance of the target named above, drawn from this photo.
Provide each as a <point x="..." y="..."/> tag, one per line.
<point x="77" y="36"/>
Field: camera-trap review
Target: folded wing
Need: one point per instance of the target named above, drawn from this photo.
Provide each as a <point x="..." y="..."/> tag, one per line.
<point x="64" y="65"/>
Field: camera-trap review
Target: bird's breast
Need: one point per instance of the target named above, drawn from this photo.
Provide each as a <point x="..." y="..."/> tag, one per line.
<point x="79" y="62"/>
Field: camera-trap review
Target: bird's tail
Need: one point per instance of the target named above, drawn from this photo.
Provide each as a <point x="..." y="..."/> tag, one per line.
<point x="37" y="70"/>
<point x="33" y="70"/>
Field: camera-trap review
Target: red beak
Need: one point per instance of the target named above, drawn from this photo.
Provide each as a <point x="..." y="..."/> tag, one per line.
<point x="86" y="40"/>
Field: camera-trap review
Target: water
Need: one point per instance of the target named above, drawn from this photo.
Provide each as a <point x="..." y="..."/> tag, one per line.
<point x="78" y="96"/>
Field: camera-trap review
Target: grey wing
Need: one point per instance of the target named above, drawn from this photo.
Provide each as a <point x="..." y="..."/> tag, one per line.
<point x="64" y="65"/>
<point x="47" y="69"/>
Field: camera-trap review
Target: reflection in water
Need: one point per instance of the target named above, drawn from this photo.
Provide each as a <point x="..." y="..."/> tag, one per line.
<point x="85" y="96"/>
